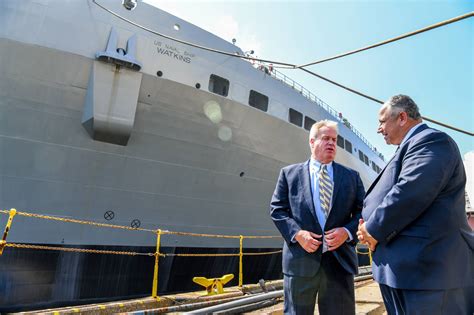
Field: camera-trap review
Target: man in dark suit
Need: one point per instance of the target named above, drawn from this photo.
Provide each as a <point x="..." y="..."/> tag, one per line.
<point x="316" y="207"/>
<point x="415" y="218"/>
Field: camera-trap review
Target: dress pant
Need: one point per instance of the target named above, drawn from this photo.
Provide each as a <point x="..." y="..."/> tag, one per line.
<point x="426" y="302"/>
<point x="332" y="284"/>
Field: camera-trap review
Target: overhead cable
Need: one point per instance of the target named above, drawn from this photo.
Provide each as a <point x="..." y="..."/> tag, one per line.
<point x="459" y="18"/>
<point x="381" y="102"/>
<point x="293" y="66"/>
<point x="235" y="55"/>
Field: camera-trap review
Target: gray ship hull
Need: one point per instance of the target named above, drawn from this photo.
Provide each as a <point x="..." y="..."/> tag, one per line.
<point x="180" y="170"/>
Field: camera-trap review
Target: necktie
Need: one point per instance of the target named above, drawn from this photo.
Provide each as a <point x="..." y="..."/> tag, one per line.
<point x="325" y="189"/>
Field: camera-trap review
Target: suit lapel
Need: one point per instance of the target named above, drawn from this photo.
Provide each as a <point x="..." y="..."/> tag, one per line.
<point x="307" y="188"/>
<point x="380" y="174"/>
<point x="337" y="181"/>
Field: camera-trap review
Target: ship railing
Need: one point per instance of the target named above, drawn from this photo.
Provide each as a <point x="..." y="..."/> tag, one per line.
<point x="313" y="98"/>
<point x="159" y="233"/>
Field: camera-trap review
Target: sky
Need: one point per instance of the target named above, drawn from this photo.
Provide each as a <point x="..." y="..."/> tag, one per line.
<point x="435" y="68"/>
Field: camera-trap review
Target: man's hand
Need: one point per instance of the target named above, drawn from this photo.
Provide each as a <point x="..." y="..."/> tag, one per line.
<point x="308" y="240"/>
<point x="364" y="236"/>
<point x="335" y="238"/>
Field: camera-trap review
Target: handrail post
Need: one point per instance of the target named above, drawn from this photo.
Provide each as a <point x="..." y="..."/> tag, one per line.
<point x="3" y="242"/>
<point x="241" y="254"/>
<point x="154" y="292"/>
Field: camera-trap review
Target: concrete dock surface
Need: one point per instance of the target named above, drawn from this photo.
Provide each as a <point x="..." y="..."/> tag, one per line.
<point x="368" y="301"/>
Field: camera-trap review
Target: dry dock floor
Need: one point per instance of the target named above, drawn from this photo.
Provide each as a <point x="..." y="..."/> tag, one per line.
<point x="368" y="301"/>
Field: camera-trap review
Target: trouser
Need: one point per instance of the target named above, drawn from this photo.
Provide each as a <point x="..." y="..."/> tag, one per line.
<point x="333" y="285"/>
<point x="426" y="302"/>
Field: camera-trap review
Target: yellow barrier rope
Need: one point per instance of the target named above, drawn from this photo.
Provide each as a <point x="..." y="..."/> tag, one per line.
<point x="263" y="253"/>
<point x="368" y="252"/>
<point x="202" y="255"/>
<point x="49" y="217"/>
<point x="218" y="235"/>
<point x="157" y="253"/>
<point x="77" y="250"/>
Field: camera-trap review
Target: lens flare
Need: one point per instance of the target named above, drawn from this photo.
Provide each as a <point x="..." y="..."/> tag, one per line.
<point x="213" y="111"/>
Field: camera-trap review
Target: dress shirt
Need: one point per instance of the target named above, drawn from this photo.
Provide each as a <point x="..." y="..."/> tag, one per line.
<point x="314" y="168"/>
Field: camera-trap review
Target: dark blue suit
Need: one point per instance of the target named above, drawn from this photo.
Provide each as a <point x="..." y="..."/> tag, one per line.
<point x="415" y="209"/>
<point x="292" y="209"/>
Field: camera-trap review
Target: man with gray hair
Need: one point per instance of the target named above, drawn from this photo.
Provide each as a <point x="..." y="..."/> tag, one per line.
<point x="316" y="207"/>
<point x="414" y="218"/>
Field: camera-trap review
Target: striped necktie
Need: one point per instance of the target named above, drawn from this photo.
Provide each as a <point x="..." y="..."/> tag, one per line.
<point x="325" y="189"/>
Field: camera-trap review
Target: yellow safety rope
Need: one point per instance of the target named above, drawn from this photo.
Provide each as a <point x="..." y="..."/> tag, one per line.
<point x="368" y="252"/>
<point x="78" y="250"/>
<point x="49" y="217"/>
<point x="263" y="253"/>
<point x="200" y="255"/>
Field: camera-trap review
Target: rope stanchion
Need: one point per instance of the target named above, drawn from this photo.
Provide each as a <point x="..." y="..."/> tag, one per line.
<point x="241" y="255"/>
<point x="154" y="292"/>
<point x="3" y="242"/>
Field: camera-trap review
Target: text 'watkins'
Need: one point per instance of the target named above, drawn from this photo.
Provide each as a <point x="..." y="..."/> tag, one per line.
<point x="173" y="54"/>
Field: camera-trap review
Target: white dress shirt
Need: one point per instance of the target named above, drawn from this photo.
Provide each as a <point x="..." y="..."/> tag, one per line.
<point x="314" y="168"/>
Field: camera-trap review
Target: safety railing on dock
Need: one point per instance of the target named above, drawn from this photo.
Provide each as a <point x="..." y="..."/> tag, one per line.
<point x="268" y="69"/>
<point x="157" y="232"/>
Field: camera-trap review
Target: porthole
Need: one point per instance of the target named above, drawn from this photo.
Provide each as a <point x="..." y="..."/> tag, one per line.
<point x="198" y="86"/>
<point x="159" y="73"/>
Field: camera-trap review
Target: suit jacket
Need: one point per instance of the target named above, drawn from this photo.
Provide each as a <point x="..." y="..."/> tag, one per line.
<point x="292" y="209"/>
<point x="416" y="210"/>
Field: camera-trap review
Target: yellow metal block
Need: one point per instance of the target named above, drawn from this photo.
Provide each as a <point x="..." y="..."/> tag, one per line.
<point x="214" y="285"/>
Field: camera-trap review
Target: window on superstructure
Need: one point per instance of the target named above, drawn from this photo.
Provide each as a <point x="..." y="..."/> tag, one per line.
<point x="308" y="122"/>
<point x="340" y="141"/>
<point x="218" y="85"/>
<point x="361" y="155"/>
<point x="366" y="160"/>
<point x="258" y="100"/>
<point x="348" y="146"/>
<point x="295" y="117"/>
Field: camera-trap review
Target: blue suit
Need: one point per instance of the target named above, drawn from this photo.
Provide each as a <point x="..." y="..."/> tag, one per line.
<point x="415" y="209"/>
<point x="292" y="209"/>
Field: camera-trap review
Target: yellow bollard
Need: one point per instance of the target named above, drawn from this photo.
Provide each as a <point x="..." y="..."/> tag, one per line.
<point x="3" y="242"/>
<point x="241" y="255"/>
<point x="154" y="292"/>
<point x="214" y="285"/>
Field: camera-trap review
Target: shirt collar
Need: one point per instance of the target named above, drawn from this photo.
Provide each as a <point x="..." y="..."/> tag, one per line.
<point x="410" y="132"/>
<point x="315" y="164"/>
